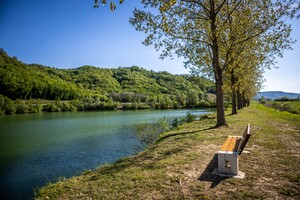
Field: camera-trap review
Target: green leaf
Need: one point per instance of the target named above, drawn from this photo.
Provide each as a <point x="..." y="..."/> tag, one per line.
<point x="112" y="6"/>
<point x="104" y="2"/>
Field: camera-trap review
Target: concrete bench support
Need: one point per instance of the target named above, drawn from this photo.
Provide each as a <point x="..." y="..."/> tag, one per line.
<point x="228" y="162"/>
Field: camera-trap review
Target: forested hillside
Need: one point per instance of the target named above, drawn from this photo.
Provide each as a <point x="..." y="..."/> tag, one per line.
<point x="89" y="87"/>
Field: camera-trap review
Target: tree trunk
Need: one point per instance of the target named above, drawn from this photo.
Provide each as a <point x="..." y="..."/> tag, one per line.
<point x="233" y="103"/>
<point x="233" y="93"/>
<point x="218" y="72"/>
<point x="220" y="104"/>
<point x="244" y="101"/>
<point x="239" y="96"/>
<point x="248" y="102"/>
<point x="219" y="89"/>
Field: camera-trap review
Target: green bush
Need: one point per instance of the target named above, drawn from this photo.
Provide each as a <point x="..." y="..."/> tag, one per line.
<point x="203" y="103"/>
<point x="51" y="107"/>
<point x="190" y="117"/>
<point x="227" y="105"/>
<point x="78" y="104"/>
<point x="34" y="106"/>
<point x="6" y="105"/>
<point x="176" y="123"/>
<point x="111" y="105"/>
<point x="276" y="105"/>
<point x="148" y="133"/>
<point x="66" y="106"/>
<point x="144" y="106"/>
<point x="292" y="107"/>
<point x="262" y="100"/>
<point x="286" y="107"/>
<point x="21" y="107"/>
<point x="295" y="111"/>
<point x="175" y="104"/>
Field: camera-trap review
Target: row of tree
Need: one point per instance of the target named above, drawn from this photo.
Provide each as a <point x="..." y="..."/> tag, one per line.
<point x="232" y="41"/>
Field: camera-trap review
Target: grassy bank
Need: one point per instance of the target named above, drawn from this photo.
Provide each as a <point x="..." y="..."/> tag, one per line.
<point x="290" y="106"/>
<point x="180" y="165"/>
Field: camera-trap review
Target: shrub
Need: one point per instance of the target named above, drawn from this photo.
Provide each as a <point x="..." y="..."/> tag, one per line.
<point x="51" y="107"/>
<point x="175" y="104"/>
<point x="111" y="105"/>
<point x="203" y="103"/>
<point x="190" y="117"/>
<point x="287" y="107"/>
<point x="148" y="133"/>
<point x="64" y="106"/>
<point x="78" y="104"/>
<point x="6" y="105"/>
<point x="294" y="111"/>
<point x="21" y="107"/>
<point x="67" y="106"/>
<point x="227" y="104"/>
<point x="262" y="100"/>
<point x="34" y="106"/>
<point x="176" y="123"/>
<point x="276" y="105"/>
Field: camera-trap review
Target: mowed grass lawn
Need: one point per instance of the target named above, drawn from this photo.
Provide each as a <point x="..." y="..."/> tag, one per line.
<point x="180" y="165"/>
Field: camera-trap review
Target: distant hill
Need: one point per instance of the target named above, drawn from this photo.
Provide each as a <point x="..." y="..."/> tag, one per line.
<point x="19" y="80"/>
<point x="26" y="88"/>
<point x="276" y="95"/>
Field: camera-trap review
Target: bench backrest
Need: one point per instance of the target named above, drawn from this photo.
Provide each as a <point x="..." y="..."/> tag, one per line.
<point x="245" y="139"/>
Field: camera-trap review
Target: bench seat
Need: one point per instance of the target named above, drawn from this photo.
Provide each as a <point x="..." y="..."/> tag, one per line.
<point x="231" y="144"/>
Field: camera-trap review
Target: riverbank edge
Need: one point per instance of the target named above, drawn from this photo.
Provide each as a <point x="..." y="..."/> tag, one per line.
<point x="180" y="165"/>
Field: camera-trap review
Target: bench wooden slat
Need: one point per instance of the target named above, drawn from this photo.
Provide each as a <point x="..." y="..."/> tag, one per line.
<point x="226" y="143"/>
<point x="231" y="144"/>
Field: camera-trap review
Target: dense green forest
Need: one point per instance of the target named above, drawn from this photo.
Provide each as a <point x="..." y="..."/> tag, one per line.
<point x="35" y="88"/>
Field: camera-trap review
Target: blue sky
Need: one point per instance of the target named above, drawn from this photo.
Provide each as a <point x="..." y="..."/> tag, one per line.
<point x="70" y="33"/>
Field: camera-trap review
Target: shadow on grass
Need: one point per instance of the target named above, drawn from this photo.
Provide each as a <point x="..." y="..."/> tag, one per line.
<point x="184" y="133"/>
<point x="208" y="175"/>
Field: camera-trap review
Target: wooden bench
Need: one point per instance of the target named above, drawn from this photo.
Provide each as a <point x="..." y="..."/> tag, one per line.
<point x="228" y="164"/>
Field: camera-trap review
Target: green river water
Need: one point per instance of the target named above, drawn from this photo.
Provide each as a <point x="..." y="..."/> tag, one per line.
<point x="38" y="148"/>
